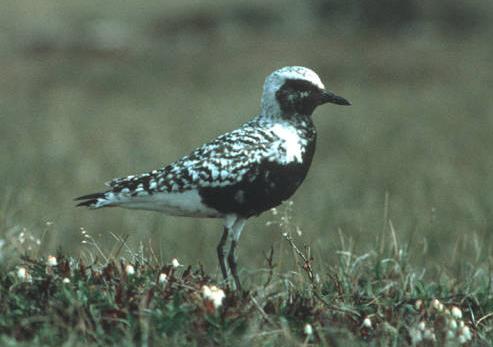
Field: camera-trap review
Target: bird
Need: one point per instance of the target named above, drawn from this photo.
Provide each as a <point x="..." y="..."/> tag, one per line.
<point x="240" y="174"/>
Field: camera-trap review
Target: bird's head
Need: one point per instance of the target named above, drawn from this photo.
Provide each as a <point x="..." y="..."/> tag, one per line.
<point x="295" y="90"/>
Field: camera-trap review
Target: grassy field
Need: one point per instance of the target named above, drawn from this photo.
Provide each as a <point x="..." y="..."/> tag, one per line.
<point x="360" y="300"/>
<point x="91" y="91"/>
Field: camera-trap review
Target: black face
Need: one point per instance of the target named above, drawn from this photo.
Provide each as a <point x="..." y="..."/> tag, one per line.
<point x="302" y="97"/>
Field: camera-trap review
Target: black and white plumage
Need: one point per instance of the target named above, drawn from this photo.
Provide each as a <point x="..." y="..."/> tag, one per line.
<point x="241" y="173"/>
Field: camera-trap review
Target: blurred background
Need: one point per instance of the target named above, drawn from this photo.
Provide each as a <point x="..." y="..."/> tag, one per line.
<point x="92" y="90"/>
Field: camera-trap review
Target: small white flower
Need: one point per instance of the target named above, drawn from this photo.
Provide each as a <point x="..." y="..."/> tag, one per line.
<point x="422" y="326"/>
<point x="217" y="296"/>
<point x="437" y="305"/>
<point x="66" y="280"/>
<point x="450" y="334"/>
<point x="466" y="332"/>
<point x="418" y="304"/>
<point x="452" y="324"/>
<point x="462" y="339"/>
<point x="429" y="335"/>
<point x="22" y="273"/>
<point x="51" y="261"/>
<point x="308" y="329"/>
<point x="206" y="291"/>
<point x="163" y="278"/>
<point x="214" y="294"/>
<point x="129" y="269"/>
<point x="175" y="263"/>
<point x="456" y="312"/>
<point x="367" y="323"/>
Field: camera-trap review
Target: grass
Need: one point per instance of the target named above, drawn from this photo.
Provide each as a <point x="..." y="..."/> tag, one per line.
<point x="361" y="299"/>
<point x="396" y="208"/>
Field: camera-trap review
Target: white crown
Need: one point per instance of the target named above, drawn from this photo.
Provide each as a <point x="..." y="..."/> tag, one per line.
<point x="275" y="80"/>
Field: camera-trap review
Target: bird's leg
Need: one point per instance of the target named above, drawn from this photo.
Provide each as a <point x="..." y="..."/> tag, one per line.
<point x="220" y="252"/>
<point x="232" y="264"/>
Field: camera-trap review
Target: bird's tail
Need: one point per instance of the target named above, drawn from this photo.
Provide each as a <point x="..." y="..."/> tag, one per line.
<point x="96" y="200"/>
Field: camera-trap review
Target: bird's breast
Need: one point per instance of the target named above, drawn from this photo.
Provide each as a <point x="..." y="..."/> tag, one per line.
<point x="290" y="146"/>
<point x="265" y="185"/>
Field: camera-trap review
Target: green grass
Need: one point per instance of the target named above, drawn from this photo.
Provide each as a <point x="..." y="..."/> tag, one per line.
<point x="102" y="304"/>
<point x="92" y="91"/>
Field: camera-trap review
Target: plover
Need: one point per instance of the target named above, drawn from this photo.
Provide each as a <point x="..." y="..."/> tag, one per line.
<point x="239" y="174"/>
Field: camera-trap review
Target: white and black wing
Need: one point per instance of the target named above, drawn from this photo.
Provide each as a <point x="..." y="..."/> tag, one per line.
<point x="244" y="172"/>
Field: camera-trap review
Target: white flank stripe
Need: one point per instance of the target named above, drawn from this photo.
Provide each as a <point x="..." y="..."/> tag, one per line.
<point x="188" y="204"/>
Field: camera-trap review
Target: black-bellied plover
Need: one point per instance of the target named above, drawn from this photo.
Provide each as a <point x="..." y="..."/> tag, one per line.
<point x="239" y="174"/>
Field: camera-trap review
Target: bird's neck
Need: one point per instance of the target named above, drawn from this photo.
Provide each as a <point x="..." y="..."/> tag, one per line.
<point x="296" y="120"/>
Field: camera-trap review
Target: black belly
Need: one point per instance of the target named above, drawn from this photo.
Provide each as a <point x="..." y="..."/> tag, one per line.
<point x="264" y="186"/>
